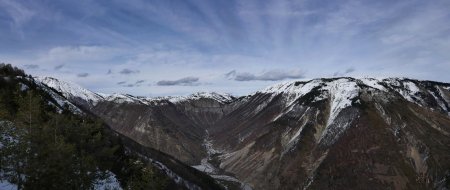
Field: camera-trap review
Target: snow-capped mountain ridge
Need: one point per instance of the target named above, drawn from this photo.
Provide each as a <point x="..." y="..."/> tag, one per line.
<point x="409" y="89"/>
<point x="220" y="97"/>
<point x="340" y="90"/>
<point x="72" y="90"/>
<point x="295" y="86"/>
<point x="345" y="92"/>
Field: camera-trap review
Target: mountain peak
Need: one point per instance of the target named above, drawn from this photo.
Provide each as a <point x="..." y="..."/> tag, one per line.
<point x="341" y="92"/>
<point x="404" y="86"/>
<point x="70" y="90"/>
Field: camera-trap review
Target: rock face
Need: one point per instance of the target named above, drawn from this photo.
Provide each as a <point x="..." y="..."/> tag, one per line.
<point x="174" y="128"/>
<point x="339" y="133"/>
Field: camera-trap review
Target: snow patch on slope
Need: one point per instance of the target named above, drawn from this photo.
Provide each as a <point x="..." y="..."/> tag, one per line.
<point x="373" y="83"/>
<point x="439" y="101"/>
<point x="444" y="96"/>
<point x="293" y="88"/>
<point x="60" y="101"/>
<point x="279" y="88"/>
<point x="291" y="91"/>
<point x="296" y="135"/>
<point x="342" y="93"/>
<point x="406" y="89"/>
<point x="110" y="183"/>
<point x="121" y="98"/>
<point x="5" y="185"/>
<point x="411" y="87"/>
<point x="294" y="139"/>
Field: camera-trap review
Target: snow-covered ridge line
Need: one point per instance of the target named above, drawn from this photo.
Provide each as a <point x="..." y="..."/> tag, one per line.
<point x="409" y="89"/>
<point x="220" y="97"/>
<point x="71" y="90"/>
<point x="126" y="98"/>
<point x="375" y="83"/>
<point x="60" y="101"/>
<point x="292" y="90"/>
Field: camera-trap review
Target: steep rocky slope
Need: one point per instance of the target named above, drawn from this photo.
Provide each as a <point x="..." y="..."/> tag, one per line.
<point x="339" y="133"/>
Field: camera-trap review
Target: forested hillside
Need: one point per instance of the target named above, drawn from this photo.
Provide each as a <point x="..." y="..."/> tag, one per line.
<point x="45" y="146"/>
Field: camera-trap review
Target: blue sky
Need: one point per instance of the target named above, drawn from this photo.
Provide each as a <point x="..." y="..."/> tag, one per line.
<point x="172" y="47"/>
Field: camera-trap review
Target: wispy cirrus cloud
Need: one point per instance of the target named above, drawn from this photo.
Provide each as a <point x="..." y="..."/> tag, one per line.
<point x="205" y="39"/>
<point x="18" y="13"/>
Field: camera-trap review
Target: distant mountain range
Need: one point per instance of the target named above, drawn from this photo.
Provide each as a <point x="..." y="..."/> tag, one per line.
<point x="330" y="133"/>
